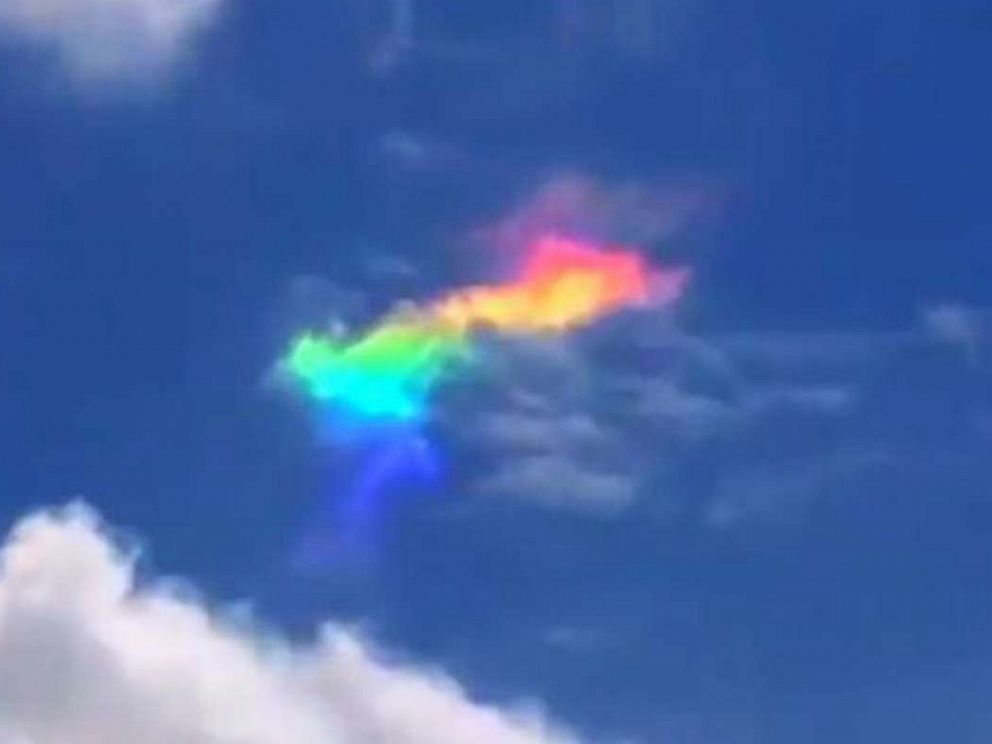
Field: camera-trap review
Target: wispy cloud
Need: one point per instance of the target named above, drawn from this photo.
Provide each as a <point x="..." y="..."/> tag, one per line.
<point x="782" y="492"/>
<point x="558" y="480"/>
<point x="595" y="423"/>
<point x="111" y="42"/>
<point x="631" y="213"/>
<point x="963" y="326"/>
<point x="89" y="657"/>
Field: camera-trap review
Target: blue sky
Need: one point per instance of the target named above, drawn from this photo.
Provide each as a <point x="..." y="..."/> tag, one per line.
<point x="782" y="532"/>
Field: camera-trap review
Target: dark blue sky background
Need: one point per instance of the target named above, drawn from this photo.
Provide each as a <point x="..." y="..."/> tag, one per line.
<point x="150" y="245"/>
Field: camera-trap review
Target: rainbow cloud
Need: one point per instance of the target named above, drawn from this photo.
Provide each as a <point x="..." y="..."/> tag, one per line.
<point x="375" y="389"/>
<point x="388" y="374"/>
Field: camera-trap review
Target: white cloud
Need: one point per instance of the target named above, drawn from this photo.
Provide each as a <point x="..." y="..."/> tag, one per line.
<point x="111" y="41"/>
<point x="88" y="657"/>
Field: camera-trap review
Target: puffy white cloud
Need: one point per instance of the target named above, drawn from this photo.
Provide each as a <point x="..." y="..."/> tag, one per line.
<point x="110" y="41"/>
<point x="89" y="657"/>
